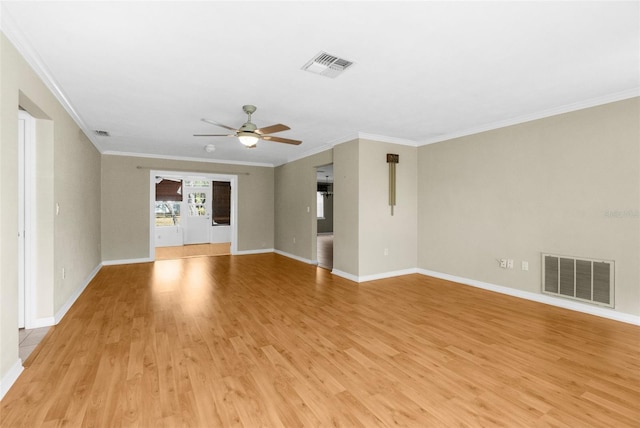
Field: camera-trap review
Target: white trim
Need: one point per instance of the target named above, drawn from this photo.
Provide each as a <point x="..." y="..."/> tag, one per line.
<point x="376" y="276"/>
<point x="384" y="275"/>
<point x="126" y="261"/>
<point x="42" y="322"/>
<point x="567" y="108"/>
<point x="235" y="190"/>
<point x="10" y="377"/>
<point x="186" y="158"/>
<point x="71" y="300"/>
<point x="298" y="258"/>
<point x="247" y="252"/>
<point x="28" y="204"/>
<point x="345" y="139"/>
<point x="386" y="139"/>
<point x="10" y="29"/>
<point x="351" y="137"/>
<point x="541" y="298"/>
<point x="345" y="275"/>
<point x="308" y="153"/>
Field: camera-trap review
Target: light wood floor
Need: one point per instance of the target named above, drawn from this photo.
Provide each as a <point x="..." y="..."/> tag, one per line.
<point x="195" y="250"/>
<point x="263" y="340"/>
<point x="325" y="251"/>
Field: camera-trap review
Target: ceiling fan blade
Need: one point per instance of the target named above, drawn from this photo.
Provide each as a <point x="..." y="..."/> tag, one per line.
<point x="214" y="135"/>
<point x="218" y="124"/>
<point x="271" y="129"/>
<point x="280" y="140"/>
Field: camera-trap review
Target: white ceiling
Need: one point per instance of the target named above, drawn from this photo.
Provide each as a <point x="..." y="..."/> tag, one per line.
<point x="147" y="72"/>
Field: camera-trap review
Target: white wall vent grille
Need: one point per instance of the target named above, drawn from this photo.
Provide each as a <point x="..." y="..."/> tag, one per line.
<point x="587" y="280"/>
<point x="327" y="65"/>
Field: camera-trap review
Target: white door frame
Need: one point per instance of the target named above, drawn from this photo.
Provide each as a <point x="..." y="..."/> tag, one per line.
<point x="26" y="225"/>
<point x="233" y="179"/>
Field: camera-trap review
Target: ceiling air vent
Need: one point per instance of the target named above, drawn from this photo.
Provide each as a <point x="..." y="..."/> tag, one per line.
<point x="100" y="133"/>
<point x="327" y="65"/>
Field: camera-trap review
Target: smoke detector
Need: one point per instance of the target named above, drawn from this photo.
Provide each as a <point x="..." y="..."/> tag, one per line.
<point x="327" y="65"/>
<point x="209" y="148"/>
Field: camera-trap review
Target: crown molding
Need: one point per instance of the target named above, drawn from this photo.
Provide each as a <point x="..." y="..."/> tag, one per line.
<point x="387" y="139"/>
<point x="306" y="154"/>
<point x="15" y="36"/>
<point x="184" y="158"/>
<point x="567" y="108"/>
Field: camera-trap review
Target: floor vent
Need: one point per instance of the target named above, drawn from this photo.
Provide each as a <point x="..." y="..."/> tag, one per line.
<point x="586" y="280"/>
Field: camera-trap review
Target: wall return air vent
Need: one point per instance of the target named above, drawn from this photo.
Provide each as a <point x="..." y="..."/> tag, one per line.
<point x="327" y="65"/>
<point x="586" y="280"/>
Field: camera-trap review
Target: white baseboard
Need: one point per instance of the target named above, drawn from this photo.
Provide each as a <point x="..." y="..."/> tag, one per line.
<point x="10" y="377"/>
<point x="384" y="275"/>
<point x="298" y="258"/>
<point x="345" y="275"/>
<point x="71" y="300"/>
<point x="258" y="251"/>
<point x="539" y="297"/>
<point x="373" y="277"/>
<point x="42" y="322"/>
<point x="126" y="261"/>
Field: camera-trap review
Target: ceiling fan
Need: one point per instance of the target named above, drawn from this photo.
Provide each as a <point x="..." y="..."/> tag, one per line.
<point x="249" y="134"/>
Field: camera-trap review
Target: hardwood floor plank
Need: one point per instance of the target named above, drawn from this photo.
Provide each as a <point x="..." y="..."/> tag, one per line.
<point x="263" y="340"/>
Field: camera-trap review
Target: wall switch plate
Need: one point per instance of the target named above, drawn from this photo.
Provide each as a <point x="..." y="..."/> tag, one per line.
<point x="510" y="263"/>
<point x="503" y="263"/>
<point x="386" y="251"/>
<point x="525" y="265"/>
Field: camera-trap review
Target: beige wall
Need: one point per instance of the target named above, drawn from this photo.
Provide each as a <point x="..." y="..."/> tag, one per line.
<point x="295" y="205"/>
<point x="548" y="185"/>
<point x="379" y="230"/>
<point x="345" y="207"/>
<point x="125" y="203"/>
<point x="74" y="165"/>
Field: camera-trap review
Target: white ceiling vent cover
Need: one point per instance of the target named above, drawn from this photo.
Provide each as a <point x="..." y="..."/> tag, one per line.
<point x="327" y="65"/>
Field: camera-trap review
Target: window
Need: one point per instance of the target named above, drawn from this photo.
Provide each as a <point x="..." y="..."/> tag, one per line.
<point x="167" y="213"/>
<point x="197" y="183"/>
<point x="319" y="205"/>
<point x="168" y="199"/>
<point x="221" y="203"/>
<point x="196" y="202"/>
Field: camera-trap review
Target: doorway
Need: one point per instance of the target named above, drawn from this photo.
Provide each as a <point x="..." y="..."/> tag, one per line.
<point x="26" y="206"/>
<point x="186" y="216"/>
<point x="324" y="216"/>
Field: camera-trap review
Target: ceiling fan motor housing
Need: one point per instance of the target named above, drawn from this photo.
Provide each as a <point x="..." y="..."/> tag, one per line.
<point x="247" y="127"/>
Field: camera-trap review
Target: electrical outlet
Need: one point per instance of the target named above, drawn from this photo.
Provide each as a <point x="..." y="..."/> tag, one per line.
<point x="503" y="263"/>
<point x="64" y="273"/>
<point x="510" y="263"/>
<point x="294" y="239"/>
<point x="386" y="251"/>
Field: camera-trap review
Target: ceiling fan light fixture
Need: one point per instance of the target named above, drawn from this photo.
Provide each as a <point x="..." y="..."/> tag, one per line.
<point x="249" y="139"/>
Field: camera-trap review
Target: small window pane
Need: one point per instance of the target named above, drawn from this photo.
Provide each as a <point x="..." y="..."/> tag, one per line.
<point x="167" y="213"/>
<point x="196" y="202"/>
